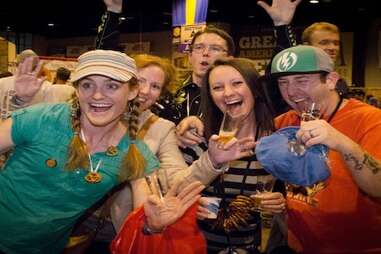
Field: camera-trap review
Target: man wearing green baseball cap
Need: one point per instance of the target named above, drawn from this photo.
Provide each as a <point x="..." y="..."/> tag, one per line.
<point x="343" y="213"/>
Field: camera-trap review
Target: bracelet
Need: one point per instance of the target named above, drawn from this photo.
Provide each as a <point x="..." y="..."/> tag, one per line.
<point x="146" y="230"/>
<point x="17" y="101"/>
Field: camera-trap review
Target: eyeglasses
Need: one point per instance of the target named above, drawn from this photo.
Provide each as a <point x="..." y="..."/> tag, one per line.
<point x="212" y="49"/>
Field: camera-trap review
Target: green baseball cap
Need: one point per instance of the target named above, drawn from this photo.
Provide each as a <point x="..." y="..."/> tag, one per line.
<point x="301" y="59"/>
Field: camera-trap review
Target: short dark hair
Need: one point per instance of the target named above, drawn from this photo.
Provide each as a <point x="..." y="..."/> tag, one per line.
<point x="212" y="115"/>
<point x="63" y="74"/>
<point x="223" y="34"/>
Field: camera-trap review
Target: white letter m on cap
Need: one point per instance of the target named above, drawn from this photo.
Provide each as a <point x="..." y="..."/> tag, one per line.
<point x="286" y="61"/>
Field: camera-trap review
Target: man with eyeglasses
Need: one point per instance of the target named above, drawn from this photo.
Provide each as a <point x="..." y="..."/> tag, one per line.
<point x="206" y="46"/>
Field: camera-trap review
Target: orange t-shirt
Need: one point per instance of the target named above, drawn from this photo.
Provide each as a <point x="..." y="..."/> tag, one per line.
<point x="337" y="217"/>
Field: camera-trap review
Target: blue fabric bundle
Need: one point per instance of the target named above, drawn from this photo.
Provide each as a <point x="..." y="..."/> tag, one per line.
<point x="278" y="159"/>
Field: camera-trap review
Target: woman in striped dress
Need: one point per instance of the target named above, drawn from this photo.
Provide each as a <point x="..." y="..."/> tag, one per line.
<point x="233" y="86"/>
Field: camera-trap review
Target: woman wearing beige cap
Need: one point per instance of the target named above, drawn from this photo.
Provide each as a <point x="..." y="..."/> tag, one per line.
<point x="69" y="155"/>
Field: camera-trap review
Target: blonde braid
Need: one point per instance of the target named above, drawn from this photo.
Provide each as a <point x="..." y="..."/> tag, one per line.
<point x="77" y="151"/>
<point x="133" y="163"/>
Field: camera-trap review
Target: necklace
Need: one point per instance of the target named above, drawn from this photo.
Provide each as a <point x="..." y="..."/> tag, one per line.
<point x="93" y="176"/>
<point x="336" y="109"/>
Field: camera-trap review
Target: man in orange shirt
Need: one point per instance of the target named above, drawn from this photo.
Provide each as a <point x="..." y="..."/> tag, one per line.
<point x="343" y="214"/>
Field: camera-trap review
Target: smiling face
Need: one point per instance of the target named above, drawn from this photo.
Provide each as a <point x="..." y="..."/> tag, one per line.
<point x="328" y="41"/>
<point x="230" y="92"/>
<point x="206" y="49"/>
<point x="103" y="100"/>
<point x="151" y="80"/>
<point x="301" y="89"/>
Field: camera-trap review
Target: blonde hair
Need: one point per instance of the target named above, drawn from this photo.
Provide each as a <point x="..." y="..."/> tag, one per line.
<point x="145" y="60"/>
<point x="306" y="36"/>
<point x="133" y="163"/>
<point x="44" y="72"/>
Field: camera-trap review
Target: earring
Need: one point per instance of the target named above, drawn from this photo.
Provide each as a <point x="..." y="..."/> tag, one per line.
<point x="74" y="108"/>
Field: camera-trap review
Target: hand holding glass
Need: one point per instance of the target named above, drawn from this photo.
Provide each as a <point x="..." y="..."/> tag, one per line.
<point x="229" y="128"/>
<point x="265" y="184"/>
<point x="310" y="112"/>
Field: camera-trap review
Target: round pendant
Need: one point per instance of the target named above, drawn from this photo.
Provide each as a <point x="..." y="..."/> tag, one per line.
<point x="51" y="163"/>
<point x="112" y="151"/>
<point x="93" y="177"/>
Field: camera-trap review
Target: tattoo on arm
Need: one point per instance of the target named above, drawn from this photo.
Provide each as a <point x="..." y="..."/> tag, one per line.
<point x="368" y="162"/>
<point x="371" y="163"/>
<point x="350" y="158"/>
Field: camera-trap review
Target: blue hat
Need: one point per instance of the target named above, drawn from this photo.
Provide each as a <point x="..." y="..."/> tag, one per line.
<point x="275" y="156"/>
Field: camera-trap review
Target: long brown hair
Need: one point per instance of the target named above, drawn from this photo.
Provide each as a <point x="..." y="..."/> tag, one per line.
<point x="133" y="162"/>
<point x="212" y="115"/>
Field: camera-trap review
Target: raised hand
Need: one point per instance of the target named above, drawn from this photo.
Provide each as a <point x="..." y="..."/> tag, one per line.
<point x="114" y="5"/>
<point x="162" y="213"/>
<point x="281" y="11"/>
<point x="27" y="80"/>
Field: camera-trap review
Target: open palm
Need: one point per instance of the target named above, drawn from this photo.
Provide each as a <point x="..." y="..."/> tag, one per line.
<point x="27" y="80"/>
<point x="162" y="213"/>
<point x="281" y="11"/>
<point x="233" y="150"/>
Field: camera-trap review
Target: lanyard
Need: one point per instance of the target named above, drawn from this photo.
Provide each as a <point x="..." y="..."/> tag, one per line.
<point x="336" y="109"/>
<point x="93" y="176"/>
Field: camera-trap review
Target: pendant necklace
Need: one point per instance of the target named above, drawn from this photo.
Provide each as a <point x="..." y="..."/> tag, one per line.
<point x="93" y="176"/>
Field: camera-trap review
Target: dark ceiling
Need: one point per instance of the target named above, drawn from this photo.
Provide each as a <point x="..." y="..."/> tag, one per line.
<point x="81" y="17"/>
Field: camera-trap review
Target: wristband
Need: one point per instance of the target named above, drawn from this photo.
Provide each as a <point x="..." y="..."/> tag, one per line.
<point x="146" y="230"/>
<point x="17" y="100"/>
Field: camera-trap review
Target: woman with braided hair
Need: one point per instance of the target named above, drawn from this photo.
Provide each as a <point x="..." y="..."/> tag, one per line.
<point x="67" y="156"/>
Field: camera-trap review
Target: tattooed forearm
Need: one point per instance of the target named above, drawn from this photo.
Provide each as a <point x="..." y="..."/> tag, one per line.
<point x="368" y="162"/>
<point x="371" y="163"/>
<point x="350" y="158"/>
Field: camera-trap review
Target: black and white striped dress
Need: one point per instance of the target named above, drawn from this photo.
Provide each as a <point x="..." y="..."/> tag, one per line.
<point x="240" y="179"/>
